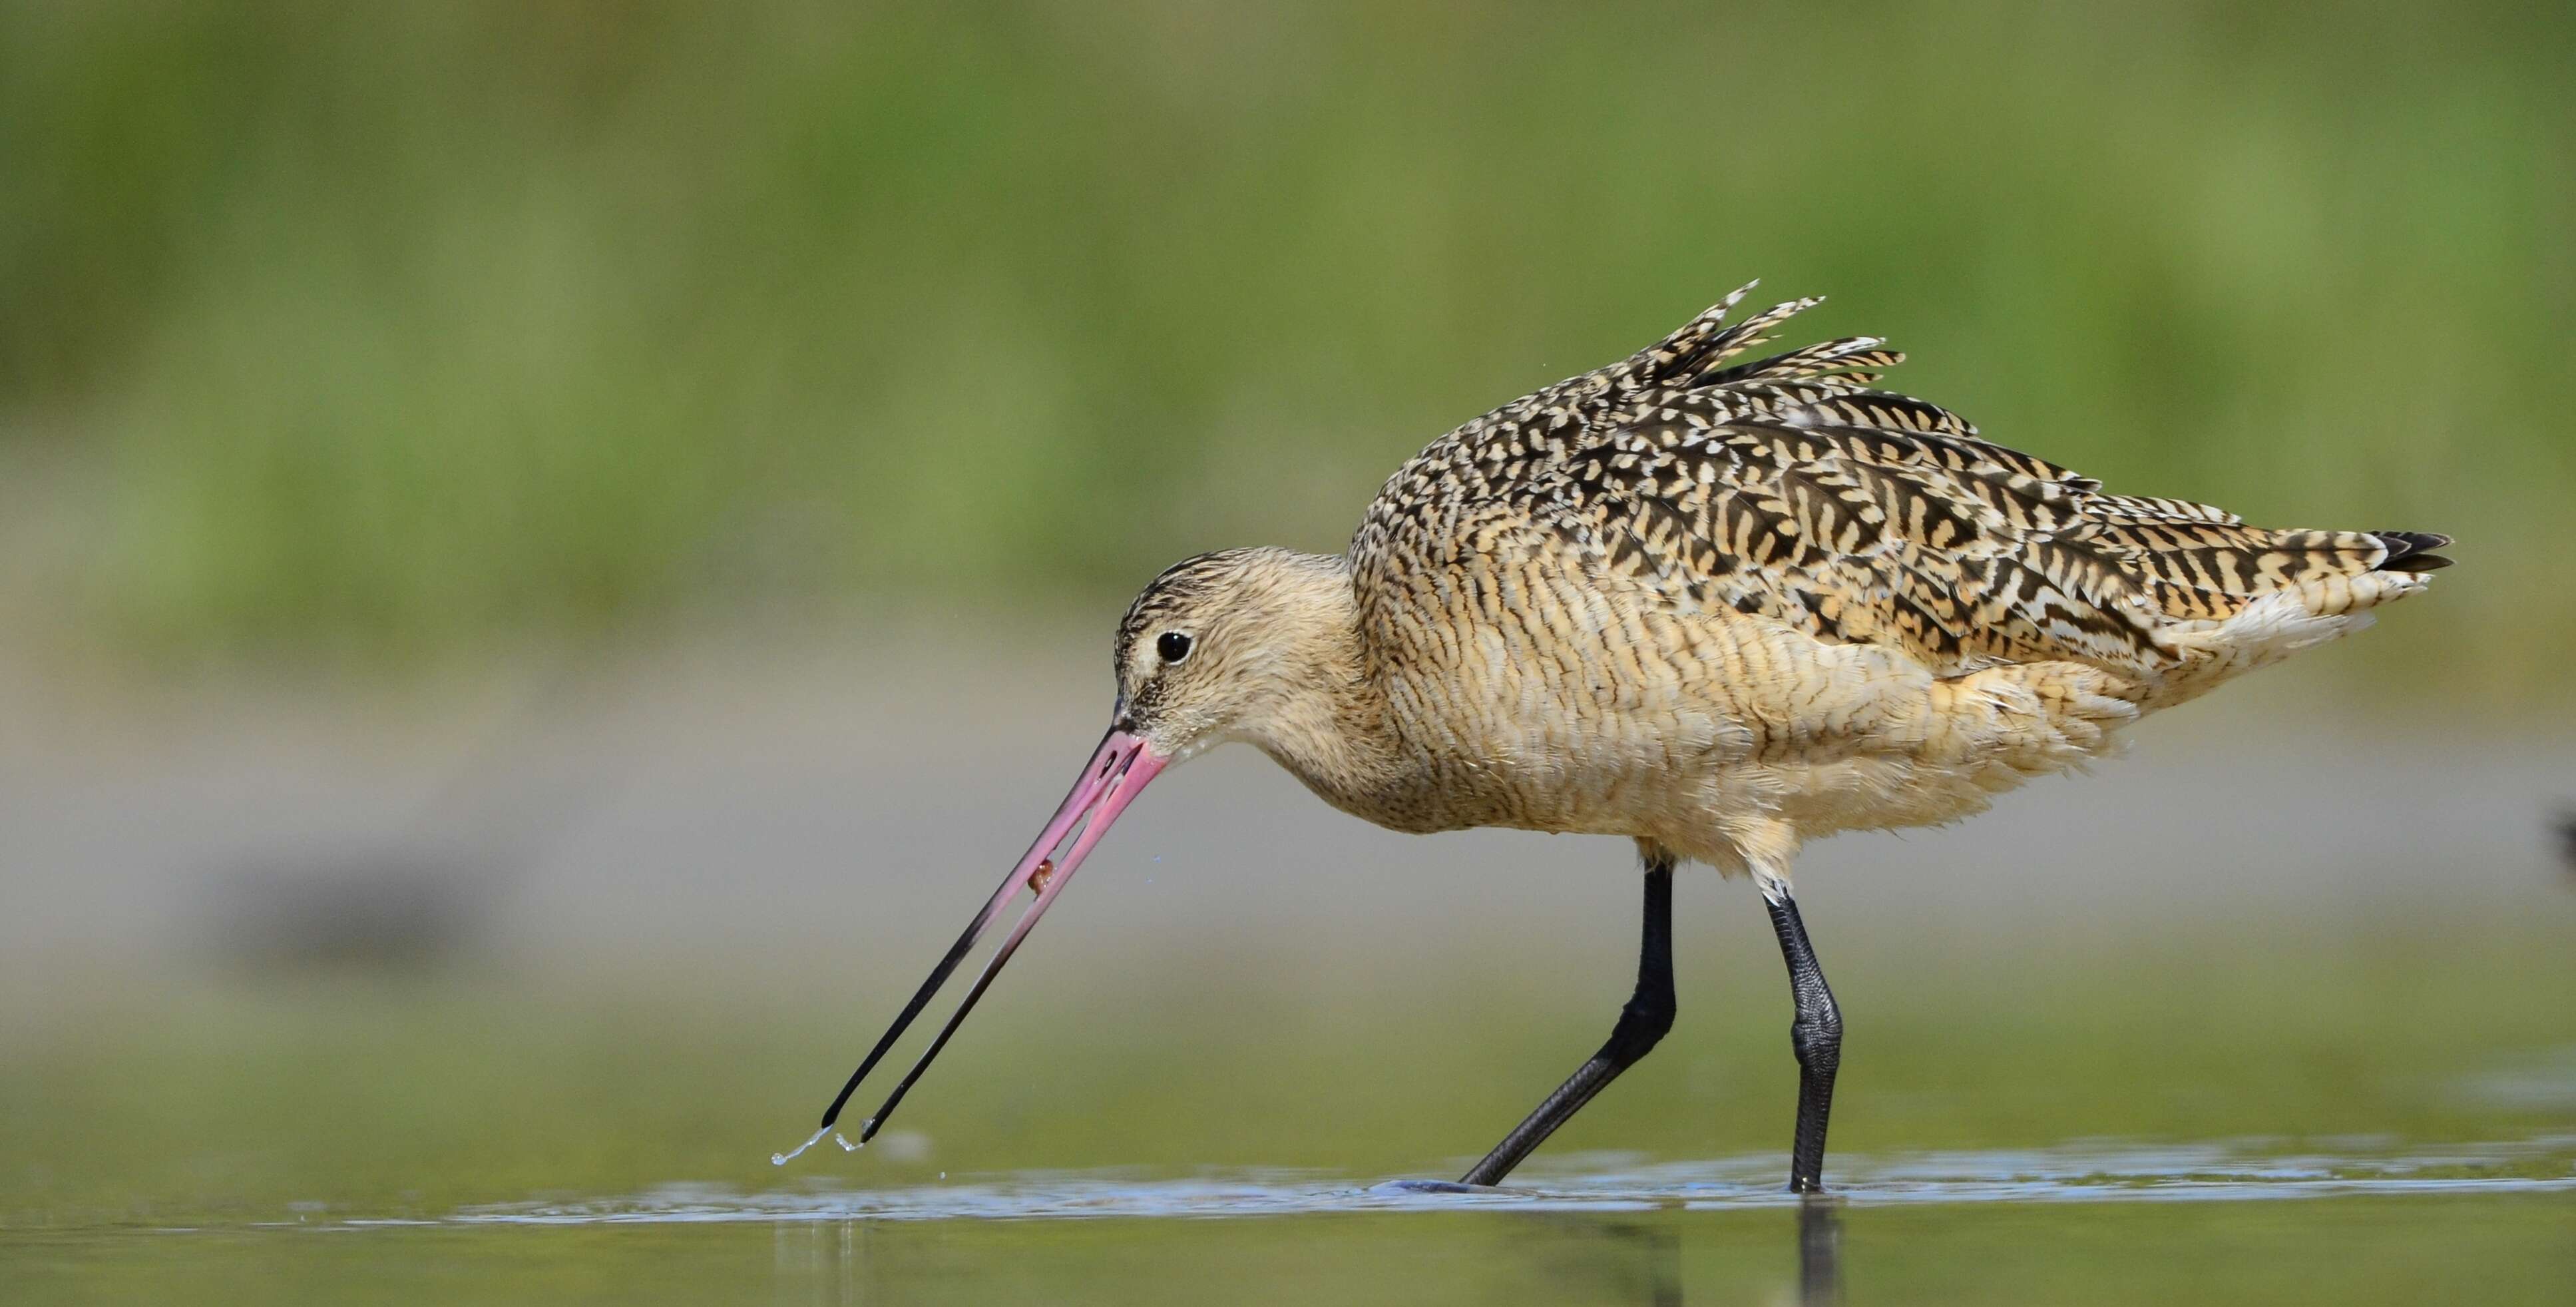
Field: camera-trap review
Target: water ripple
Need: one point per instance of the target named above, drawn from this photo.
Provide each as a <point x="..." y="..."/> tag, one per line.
<point x="2096" y="1171"/>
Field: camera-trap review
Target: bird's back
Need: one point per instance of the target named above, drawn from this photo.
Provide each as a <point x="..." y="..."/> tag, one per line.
<point x="1691" y="562"/>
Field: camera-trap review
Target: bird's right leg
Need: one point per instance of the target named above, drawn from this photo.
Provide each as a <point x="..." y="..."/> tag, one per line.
<point x="1816" y="1036"/>
<point x="1642" y="1022"/>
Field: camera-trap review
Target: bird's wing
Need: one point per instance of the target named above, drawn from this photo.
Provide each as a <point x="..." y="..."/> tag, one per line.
<point x="1793" y="488"/>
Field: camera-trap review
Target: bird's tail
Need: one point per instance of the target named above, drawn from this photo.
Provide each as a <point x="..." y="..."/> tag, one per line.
<point x="2306" y="588"/>
<point x="2410" y="551"/>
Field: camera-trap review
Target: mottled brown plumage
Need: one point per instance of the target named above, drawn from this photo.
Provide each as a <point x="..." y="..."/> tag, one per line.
<point x="1726" y="606"/>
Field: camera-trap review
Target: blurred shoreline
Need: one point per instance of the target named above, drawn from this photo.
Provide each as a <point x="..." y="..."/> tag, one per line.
<point x="799" y="794"/>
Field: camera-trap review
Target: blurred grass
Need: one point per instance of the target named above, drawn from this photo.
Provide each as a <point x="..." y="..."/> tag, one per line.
<point x="384" y="330"/>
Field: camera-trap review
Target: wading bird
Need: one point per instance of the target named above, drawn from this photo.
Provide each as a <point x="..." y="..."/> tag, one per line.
<point x="1723" y="608"/>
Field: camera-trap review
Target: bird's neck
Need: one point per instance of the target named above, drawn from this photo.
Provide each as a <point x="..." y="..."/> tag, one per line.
<point x="1329" y="721"/>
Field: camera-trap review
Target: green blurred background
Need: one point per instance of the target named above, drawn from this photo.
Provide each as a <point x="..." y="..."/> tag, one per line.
<point x="548" y="551"/>
<point x="378" y="330"/>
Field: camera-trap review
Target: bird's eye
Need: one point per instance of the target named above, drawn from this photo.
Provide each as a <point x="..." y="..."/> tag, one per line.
<point x="1173" y="646"/>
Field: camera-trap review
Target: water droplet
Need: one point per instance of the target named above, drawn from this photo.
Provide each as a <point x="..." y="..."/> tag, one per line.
<point x="782" y="1159"/>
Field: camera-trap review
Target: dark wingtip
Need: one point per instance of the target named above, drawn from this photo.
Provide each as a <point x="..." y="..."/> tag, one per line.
<point x="2411" y="551"/>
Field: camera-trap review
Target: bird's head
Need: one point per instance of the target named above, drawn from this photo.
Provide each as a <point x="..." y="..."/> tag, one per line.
<point x="1228" y="646"/>
<point x="1246" y="644"/>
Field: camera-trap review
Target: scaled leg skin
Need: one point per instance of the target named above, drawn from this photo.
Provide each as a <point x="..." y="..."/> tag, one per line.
<point x="1648" y="1015"/>
<point x="1816" y="1036"/>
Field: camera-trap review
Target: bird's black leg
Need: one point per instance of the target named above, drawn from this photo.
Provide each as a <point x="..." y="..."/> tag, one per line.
<point x="1643" y="1021"/>
<point x="1816" y="1036"/>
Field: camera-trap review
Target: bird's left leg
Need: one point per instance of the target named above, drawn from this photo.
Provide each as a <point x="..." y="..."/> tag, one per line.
<point x="1816" y="1035"/>
<point x="1648" y="1014"/>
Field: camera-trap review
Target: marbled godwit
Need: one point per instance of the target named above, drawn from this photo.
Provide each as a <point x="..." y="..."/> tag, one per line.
<point x="1721" y="608"/>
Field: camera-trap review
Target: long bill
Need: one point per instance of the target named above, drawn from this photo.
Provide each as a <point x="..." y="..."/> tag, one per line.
<point x="1118" y="771"/>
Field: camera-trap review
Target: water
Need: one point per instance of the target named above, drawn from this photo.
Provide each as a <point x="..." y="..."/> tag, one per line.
<point x="2237" y="1171"/>
<point x="509" y="1139"/>
<point x="782" y="1159"/>
<point x="2243" y="1221"/>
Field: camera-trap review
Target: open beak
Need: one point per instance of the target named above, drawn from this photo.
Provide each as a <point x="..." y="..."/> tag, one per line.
<point x="1118" y="771"/>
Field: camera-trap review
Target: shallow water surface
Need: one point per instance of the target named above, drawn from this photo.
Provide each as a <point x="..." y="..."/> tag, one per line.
<point x="2248" y="1221"/>
<point x="2240" y="1171"/>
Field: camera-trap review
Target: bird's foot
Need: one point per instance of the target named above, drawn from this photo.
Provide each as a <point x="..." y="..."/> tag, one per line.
<point x="1429" y="1187"/>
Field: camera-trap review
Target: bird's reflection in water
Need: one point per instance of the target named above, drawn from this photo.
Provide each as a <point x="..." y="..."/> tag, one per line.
<point x="1538" y="1257"/>
<point x="1820" y="1250"/>
<point x="1648" y="1267"/>
<point x="1656" y="1273"/>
